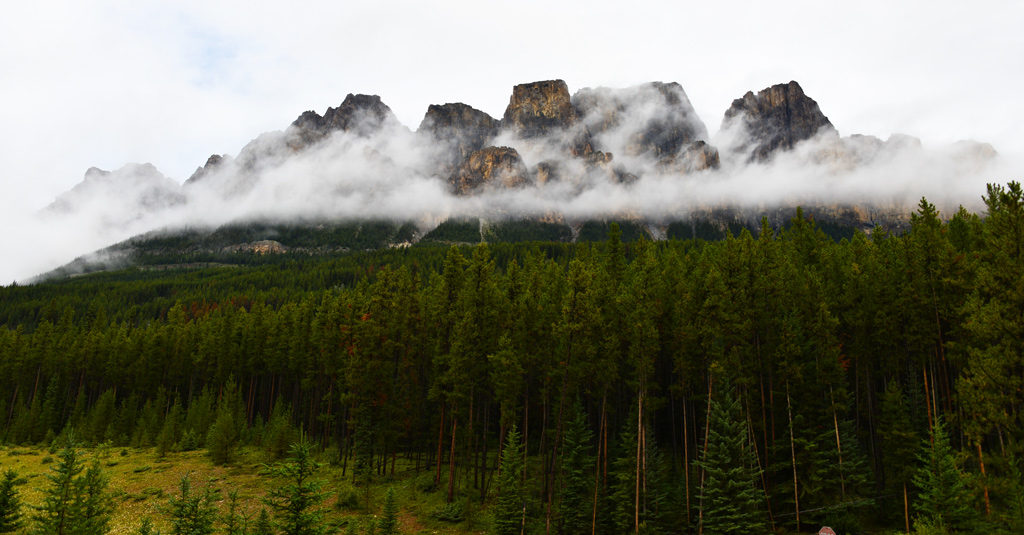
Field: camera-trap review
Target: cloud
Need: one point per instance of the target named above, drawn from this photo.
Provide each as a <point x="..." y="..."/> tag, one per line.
<point x="104" y="83"/>
<point x="384" y="170"/>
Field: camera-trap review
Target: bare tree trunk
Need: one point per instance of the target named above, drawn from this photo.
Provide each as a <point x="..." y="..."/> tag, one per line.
<point x="686" y="459"/>
<point x="792" y="453"/>
<point x="639" y="423"/>
<point x="526" y="426"/>
<point x="927" y="403"/>
<point x="484" y="480"/>
<point x="597" y="467"/>
<point x="440" y="441"/>
<point x="752" y="437"/>
<point x="451" y="462"/>
<point x="643" y="461"/>
<point x="471" y="442"/>
<point x="839" y="446"/>
<point x="984" y="481"/>
<point x="707" y="433"/>
<point x="906" y="508"/>
<point x="14" y="403"/>
<point x="764" y="418"/>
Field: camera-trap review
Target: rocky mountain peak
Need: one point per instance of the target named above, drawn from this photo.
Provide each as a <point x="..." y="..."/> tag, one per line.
<point x="653" y="117"/>
<point x="360" y="114"/>
<point x="776" y="118"/>
<point x="464" y="128"/>
<point x="457" y="117"/>
<point x="212" y="163"/>
<point x="544" y="109"/>
<point x="537" y="108"/>
<point x="139" y="186"/>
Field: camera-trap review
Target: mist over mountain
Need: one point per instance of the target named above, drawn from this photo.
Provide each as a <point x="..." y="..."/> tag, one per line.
<point x="639" y="153"/>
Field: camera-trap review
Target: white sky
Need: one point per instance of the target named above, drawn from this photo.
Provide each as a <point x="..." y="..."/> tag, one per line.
<point x="104" y="83"/>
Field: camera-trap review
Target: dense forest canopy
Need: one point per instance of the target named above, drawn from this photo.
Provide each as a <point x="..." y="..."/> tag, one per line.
<point x="777" y="381"/>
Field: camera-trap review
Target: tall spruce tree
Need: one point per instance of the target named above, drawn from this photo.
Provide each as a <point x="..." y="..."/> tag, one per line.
<point x="944" y="499"/>
<point x="389" y="514"/>
<point x="263" y="524"/>
<point x="509" y="509"/>
<point x="574" y="508"/>
<point x="10" y="503"/>
<point x="296" y="503"/>
<point x="730" y="500"/>
<point x="638" y="493"/>
<point x="56" y="515"/>
<point x="192" y="513"/>
<point x="233" y="520"/>
<point x="94" y="504"/>
<point x="74" y="503"/>
<point x="899" y="444"/>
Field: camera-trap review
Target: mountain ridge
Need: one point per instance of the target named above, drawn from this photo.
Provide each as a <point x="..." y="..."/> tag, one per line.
<point x="639" y="153"/>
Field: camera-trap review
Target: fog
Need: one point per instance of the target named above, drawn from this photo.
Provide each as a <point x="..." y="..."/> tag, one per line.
<point x="389" y="171"/>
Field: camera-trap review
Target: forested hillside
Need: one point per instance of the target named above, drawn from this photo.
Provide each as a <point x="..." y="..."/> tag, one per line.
<point x="772" y="381"/>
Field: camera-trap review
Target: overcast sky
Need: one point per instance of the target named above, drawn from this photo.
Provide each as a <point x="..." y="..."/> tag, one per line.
<point x="86" y="83"/>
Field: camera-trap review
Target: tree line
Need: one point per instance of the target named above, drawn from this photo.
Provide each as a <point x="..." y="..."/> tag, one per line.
<point x="781" y="380"/>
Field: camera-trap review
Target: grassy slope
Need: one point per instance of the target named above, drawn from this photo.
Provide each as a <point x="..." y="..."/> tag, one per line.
<point x="141" y="484"/>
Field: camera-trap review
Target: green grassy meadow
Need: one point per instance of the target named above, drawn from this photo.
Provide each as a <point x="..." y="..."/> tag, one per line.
<point x="140" y="484"/>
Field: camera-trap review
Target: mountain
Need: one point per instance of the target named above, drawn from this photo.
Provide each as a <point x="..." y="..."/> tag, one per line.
<point x="774" y="119"/>
<point x="639" y="154"/>
<point x="118" y="197"/>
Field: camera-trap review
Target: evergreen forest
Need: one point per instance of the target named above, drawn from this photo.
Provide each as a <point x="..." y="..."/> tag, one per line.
<point x="772" y="381"/>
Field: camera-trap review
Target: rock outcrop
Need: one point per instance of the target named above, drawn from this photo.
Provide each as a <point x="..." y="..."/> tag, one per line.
<point x="362" y="115"/>
<point x="544" y="109"/>
<point x="260" y="247"/>
<point x="776" y="118"/>
<point x="654" y="118"/>
<point x="464" y="128"/>
<point x="212" y="164"/>
<point x="538" y="108"/>
<point x="697" y="156"/>
<point x="501" y="166"/>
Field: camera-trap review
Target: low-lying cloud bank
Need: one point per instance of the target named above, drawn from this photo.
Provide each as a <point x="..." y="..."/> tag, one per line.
<point x="637" y="152"/>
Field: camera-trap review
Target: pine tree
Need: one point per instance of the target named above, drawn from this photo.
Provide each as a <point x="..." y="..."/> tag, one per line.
<point x="147" y="528"/>
<point x="73" y="504"/>
<point x="574" y="508"/>
<point x="234" y="521"/>
<point x="222" y="439"/>
<point x="263" y="525"/>
<point x="94" y="506"/>
<point x="389" y="516"/>
<point x="944" y="499"/>
<point x="192" y="513"/>
<point x="296" y="502"/>
<point x="168" y="435"/>
<point x="510" y="505"/>
<point x="730" y="500"/>
<point x="899" y="444"/>
<point x="10" y="503"/>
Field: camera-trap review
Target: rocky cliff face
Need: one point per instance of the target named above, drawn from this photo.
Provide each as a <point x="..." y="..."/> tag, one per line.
<point x="654" y="118"/>
<point x="697" y="156"/>
<point x="212" y="164"/>
<point x="463" y="128"/>
<point x="776" y="118"/>
<point x="359" y="114"/>
<point x="538" y="108"/>
<point x="543" y="109"/>
<point x="499" y="166"/>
